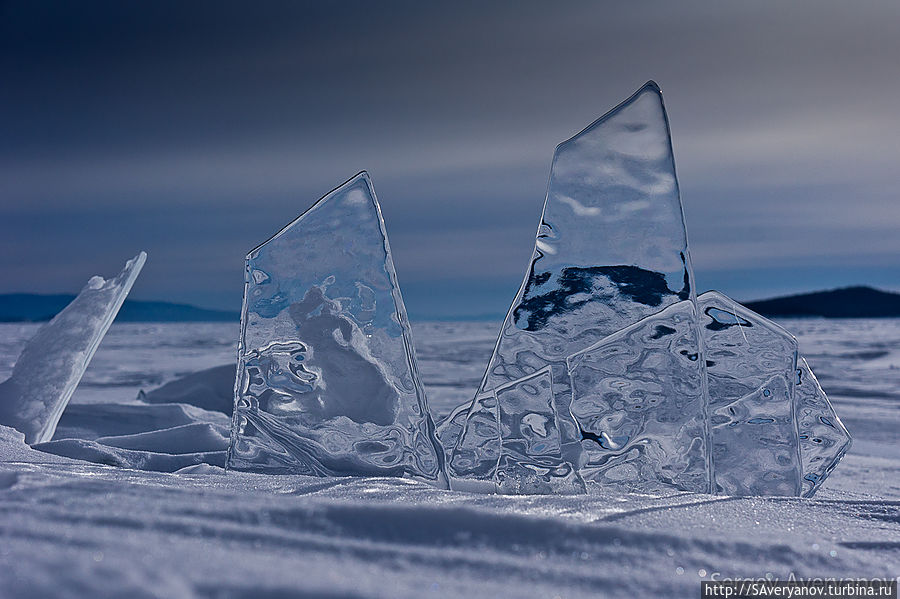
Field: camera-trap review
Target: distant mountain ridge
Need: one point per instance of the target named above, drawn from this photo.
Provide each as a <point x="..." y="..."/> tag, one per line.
<point x="847" y="302"/>
<point x="33" y="307"/>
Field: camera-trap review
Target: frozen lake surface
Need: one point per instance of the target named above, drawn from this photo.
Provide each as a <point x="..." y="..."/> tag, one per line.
<point x="74" y="529"/>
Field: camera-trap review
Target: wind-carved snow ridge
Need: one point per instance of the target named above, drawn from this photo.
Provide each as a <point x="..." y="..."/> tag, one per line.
<point x="648" y="392"/>
<point x="327" y="382"/>
<point x="50" y="367"/>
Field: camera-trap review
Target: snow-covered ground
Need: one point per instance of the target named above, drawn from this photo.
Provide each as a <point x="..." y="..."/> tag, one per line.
<point x="81" y="529"/>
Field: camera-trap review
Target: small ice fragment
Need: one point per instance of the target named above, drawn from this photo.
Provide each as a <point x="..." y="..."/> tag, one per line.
<point x="531" y="461"/>
<point x="823" y="437"/>
<point x="639" y="399"/>
<point x="54" y="360"/>
<point x="477" y="449"/>
<point x="750" y="364"/>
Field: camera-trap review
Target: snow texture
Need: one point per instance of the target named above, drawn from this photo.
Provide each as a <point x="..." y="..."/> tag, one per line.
<point x="71" y="528"/>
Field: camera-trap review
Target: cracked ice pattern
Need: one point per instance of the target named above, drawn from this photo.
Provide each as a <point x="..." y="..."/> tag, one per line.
<point x="327" y="382"/>
<point x="611" y="249"/>
<point x="50" y="367"/>
<point x="823" y="437"/>
<point x="531" y="460"/>
<point x="751" y="365"/>
<point x="639" y="399"/>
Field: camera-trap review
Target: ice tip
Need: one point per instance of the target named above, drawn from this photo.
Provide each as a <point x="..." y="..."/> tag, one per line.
<point x="362" y="176"/>
<point x="140" y="259"/>
<point x="651" y="85"/>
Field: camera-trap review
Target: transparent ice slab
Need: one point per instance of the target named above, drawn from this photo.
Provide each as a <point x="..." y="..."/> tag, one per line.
<point x="751" y="364"/>
<point x="327" y="382"/>
<point x="611" y="249"/>
<point x="531" y="461"/>
<point x="639" y="399"/>
<point x="823" y="437"/>
<point x="508" y="442"/>
<point x="473" y="462"/>
<point x="449" y="429"/>
<point x="50" y="367"/>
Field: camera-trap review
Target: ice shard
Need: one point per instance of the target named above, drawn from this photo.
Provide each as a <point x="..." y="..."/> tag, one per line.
<point x="449" y="429"/>
<point x="751" y="365"/>
<point x="611" y="250"/>
<point x="823" y="437"/>
<point x="531" y="461"/>
<point x="327" y="382"/>
<point x="54" y="360"/>
<point x="473" y="463"/>
<point x="639" y="397"/>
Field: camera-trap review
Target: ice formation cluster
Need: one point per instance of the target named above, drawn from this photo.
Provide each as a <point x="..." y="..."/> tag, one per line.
<point x="609" y="369"/>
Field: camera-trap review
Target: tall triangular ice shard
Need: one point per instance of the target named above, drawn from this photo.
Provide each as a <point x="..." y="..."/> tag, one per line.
<point x="54" y="360"/>
<point x="611" y="250"/>
<point x="327" y="382"/>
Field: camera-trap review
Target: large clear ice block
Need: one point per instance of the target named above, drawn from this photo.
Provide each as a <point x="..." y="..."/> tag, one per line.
<point x="639" y="399"/>
<point x="531" y="461"/>
<point x="611" y="249"/>
<point x="823" y="437"/>
<point x="327" y="382"/>
<point x="54" y="360"/>
<point x="751" y="365"/>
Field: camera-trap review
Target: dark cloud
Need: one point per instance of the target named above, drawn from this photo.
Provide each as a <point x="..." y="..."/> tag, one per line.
<point x="195" y="130"/>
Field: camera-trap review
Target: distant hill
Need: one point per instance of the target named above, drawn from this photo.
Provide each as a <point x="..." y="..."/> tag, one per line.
<point x="849" y="302"/>
<point x="32" y="307"/>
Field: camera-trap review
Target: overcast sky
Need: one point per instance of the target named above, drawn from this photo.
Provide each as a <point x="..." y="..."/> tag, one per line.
<point x="195" y="130"/>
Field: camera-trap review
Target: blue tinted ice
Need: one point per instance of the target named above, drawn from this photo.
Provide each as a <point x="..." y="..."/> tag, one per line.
<point x="639" y="399"/>
<point x="327" y="382"/>
<point x="751" y="365"/>
<point x="823" y="437"/>
<point x="473" y="463"/>
<point x="531" y="461"/>
<point x="53" y="362"/>
<point x="611" y="250"/>
<point x="449" y="429"/>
